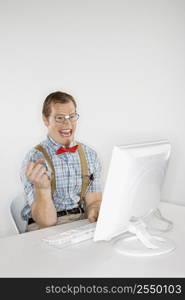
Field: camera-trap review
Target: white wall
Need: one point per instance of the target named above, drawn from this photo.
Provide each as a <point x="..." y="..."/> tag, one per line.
<point x="124" y="62"/>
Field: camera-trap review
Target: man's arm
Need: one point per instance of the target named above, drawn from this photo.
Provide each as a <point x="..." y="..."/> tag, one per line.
<point x="93" y="195"/>
<point x="42" y="209"/>
<point x="93" y="202"/>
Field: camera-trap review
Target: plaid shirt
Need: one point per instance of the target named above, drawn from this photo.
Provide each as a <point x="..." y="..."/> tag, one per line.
<point x="67" y="172"/>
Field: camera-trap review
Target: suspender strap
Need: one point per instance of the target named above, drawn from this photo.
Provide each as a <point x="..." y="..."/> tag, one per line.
<point x="85" y="173"/>
<point x="48" y="159"/>
<point x="84" y="170"/>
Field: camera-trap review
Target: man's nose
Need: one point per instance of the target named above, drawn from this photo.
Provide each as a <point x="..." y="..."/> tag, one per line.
<point x="67" y="120"/>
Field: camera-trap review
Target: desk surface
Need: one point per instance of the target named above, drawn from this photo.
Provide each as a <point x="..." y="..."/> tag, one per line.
<point x="26" y="255"/>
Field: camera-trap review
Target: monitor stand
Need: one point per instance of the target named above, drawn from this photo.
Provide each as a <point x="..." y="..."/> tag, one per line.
<point x="139" y="242"/>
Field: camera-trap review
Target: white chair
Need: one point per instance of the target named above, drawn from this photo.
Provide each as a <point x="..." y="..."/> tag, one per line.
<point x="16" y="206"/>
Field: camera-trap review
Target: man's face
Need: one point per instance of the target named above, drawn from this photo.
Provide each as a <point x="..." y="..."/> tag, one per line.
<point x="62" y="133"/>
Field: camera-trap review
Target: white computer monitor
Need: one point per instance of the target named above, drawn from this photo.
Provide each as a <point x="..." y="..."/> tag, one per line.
<point x="132" y="190"/>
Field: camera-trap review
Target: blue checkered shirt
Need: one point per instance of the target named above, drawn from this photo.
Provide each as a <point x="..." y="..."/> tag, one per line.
<point x="67" y="172"/>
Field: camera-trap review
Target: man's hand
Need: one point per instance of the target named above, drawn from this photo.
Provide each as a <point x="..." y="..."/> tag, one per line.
<point x="93" y="202"/>
<point x="92" y="213"/>
<point x="36" y="172"/>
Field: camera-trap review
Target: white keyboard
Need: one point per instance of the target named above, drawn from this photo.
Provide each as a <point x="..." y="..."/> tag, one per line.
<point x="72" y="236"/>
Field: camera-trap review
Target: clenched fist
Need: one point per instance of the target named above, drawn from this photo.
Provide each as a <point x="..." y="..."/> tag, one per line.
<point x="37" y="173"/>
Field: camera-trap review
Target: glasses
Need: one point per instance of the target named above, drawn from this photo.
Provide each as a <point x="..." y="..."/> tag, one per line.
<point x="61" y="118"/>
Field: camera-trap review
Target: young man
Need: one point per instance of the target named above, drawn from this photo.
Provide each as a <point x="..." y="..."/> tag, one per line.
<point x="53" y="178"/>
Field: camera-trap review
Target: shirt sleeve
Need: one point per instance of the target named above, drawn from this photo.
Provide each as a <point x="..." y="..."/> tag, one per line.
<point x="95" y="177"/>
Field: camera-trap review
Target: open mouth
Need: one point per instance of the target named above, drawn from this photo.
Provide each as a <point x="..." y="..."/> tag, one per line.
<point x="65" y="132"/>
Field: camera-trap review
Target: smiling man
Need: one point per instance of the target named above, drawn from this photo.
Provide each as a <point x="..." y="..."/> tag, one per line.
<point x="61" y="176"/>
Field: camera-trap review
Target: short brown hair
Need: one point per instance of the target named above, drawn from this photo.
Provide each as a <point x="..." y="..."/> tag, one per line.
<point x="56" y="97"/>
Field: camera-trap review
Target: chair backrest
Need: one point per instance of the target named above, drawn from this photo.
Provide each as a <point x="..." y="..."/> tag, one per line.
<point x="16" y="206"/>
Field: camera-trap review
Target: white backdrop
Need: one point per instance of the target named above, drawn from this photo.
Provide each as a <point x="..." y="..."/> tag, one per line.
<point x="123" y="61"/>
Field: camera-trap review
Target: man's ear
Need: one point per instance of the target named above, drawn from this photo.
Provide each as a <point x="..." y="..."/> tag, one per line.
<point x="45" y="120"/>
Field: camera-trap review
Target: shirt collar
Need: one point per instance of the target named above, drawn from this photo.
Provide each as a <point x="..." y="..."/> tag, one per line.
<point x="57" y="145"/>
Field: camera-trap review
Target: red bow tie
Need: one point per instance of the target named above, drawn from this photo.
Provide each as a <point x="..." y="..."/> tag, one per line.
<point x="62" y="149"/>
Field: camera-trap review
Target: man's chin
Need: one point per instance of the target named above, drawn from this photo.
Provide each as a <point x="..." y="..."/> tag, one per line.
<point x="66" y="141"/>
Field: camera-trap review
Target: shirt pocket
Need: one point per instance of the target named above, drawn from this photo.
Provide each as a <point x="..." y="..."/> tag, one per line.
<point x="78" y="183"/>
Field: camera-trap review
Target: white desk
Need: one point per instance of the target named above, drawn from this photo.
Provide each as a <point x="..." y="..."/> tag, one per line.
<point x="25" y="255"/>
